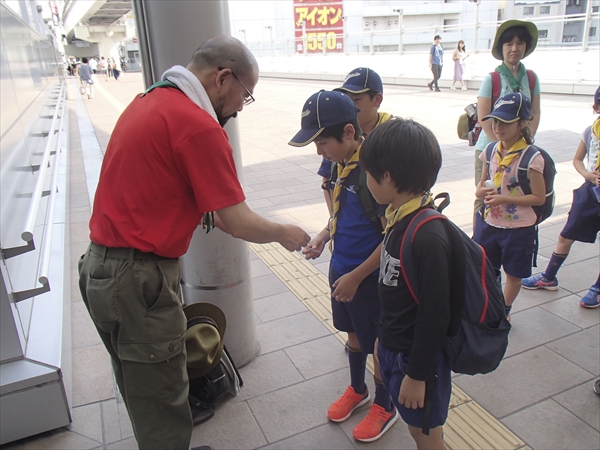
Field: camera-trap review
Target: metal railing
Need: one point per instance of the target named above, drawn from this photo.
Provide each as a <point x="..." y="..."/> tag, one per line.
<point x="401" y="39"/>
<point x="54" y="146"/>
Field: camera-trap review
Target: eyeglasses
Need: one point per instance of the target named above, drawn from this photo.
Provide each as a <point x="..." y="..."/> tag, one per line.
<point x="249" y="98"/>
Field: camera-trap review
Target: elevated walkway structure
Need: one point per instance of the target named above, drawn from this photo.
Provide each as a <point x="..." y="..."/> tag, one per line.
<point x="540" y="397"/>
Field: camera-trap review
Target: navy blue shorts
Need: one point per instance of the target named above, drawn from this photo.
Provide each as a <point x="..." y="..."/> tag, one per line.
<point x="583" y="223"/>
<point x="394" y="364"/>
<point x="361" y="315"/>
<point x="511" y="248"/>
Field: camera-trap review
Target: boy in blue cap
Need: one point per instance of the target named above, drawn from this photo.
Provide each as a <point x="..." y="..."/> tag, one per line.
<point x="583" y="222"/>
<point x="364" y="87"/>
<point x="329" y="118"/>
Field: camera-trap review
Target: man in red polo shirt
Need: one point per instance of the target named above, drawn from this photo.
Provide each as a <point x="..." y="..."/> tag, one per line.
<point x="168" y="163"/>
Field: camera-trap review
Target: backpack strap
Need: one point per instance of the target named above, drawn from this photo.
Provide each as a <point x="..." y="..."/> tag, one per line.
<point x="161" y="84"/>
<point x="408" y="270"/>
<point x="523" y="171"/>
<point x="368" y="202"/>
<point x="532" y="79"/>
<point x="496" y="85"/>
<point x="489" y="152"/>
<point x="365" y="197"/>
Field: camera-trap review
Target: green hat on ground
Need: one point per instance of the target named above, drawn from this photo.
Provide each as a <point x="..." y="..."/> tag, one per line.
<point x="204" y="337"/>
<point x="529" y="26"/>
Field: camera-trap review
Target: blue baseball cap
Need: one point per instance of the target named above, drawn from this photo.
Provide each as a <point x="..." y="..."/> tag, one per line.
<point x="597" y="96"/>
<point x="322" y="110"/>
<point x="511" y="108"/>
<point x="362" y="80"/>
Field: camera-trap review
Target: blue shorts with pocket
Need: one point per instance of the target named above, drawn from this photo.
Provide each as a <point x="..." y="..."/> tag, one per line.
<point x="511" y="248"/>
<point x="583" y="222"/>
<point x="393" y="367"/>
<point x="361" y="315"/>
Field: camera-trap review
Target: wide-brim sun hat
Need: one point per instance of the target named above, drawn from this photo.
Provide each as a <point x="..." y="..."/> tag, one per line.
<point x="204" y="336"/>
<point x="529" y="26"/>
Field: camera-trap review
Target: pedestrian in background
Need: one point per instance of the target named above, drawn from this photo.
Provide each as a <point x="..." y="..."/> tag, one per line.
<point x="436" y="61"/>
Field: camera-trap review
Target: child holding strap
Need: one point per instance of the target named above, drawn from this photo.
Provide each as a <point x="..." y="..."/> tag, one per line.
<point x="506" y="229"/>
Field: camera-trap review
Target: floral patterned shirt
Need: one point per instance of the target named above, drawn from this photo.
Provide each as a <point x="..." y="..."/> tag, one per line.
<point x="509" y="215"/>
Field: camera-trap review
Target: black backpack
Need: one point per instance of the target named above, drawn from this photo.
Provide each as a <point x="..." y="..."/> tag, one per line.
<point x="477" y="337"/>
<point x="209" y="389"/>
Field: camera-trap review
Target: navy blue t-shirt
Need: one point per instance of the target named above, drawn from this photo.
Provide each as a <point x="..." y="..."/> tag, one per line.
<point x="356" y="236"/>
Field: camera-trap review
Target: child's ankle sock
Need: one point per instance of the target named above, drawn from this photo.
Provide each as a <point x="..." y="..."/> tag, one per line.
<point x="382" y="395"/>
<point x="555" y="262"/>
<point x="358" y="364"/>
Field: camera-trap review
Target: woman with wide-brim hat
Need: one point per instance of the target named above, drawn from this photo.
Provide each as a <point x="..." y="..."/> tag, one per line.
<point x="514" y="41"/>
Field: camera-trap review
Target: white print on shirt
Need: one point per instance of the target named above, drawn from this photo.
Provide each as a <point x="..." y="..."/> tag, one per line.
<point x="390" y="269"/>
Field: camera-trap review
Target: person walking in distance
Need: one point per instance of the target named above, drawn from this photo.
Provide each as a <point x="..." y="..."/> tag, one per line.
<point x="459" y="56"/>
<point x="143" y="221"/>
<point x="436" y="61"/>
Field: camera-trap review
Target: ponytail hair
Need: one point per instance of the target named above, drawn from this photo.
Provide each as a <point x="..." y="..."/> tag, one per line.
<point x="526" y="133"/>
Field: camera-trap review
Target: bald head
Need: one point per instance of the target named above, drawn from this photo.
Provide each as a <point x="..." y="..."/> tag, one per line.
<point x="224" y="51"/>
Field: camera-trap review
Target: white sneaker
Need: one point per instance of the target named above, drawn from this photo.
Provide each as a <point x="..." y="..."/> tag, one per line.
<point x="453" y="88"/>
<point x="464" y="88"/>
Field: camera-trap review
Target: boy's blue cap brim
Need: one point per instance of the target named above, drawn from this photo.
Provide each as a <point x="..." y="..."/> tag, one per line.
<point x="323" y="109"/>
<point x="305" y="137"/>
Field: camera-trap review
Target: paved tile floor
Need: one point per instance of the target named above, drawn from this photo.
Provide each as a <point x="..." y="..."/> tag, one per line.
<point x="543" y="389"/>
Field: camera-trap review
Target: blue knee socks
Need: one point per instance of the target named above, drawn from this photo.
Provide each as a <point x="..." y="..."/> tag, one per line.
<point x="358" y="364"/>
<point x="382" y="395"/>
<point x="555" y="262"/>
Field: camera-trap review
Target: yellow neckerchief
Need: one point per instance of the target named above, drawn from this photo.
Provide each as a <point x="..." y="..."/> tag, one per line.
<point x="394" y="216"/>
<point x="383" y="117"/>
<point x="596" y="131"/>
<point x="343" y="172"/>
<point x="504" y="161"/>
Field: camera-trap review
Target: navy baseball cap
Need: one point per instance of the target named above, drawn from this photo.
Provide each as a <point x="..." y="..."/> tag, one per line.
<point x="511" y="108"/>
<point x="322" y="110"/>
<point x="597" y="96"/>
<point x="362" y="80"/>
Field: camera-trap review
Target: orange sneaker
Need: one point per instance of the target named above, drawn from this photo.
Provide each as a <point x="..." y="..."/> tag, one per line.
<point x="375" y="424"/>
<point x="341" y="409"/>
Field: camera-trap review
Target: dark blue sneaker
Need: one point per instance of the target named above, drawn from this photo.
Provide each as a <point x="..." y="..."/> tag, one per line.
<point x="539" y="281"/>
<point x="592" y="299"/>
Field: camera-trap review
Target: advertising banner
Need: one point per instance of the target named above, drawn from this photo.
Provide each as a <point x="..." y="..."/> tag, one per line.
<point x="319" y="19"/>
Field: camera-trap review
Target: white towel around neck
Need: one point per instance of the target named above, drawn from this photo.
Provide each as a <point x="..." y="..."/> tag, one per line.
<point x="191" y="87"/>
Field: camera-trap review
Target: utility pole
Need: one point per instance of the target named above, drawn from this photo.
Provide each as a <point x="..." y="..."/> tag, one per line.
<point x="400" y="29"/>
<point x="270" y="28"/>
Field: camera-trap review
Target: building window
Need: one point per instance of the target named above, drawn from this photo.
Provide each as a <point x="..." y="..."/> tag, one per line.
<point x="595" y="9"/>
<point x="528" y="11"/>
<point x="544" y="10"/>
<point x="543" y="34"/>
<point x="592" y="31"/>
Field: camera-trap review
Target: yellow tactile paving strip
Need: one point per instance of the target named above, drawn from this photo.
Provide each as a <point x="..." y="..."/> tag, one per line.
<point x="469" y="426"/>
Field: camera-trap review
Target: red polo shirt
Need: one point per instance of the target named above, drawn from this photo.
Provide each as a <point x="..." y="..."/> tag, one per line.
<point x="167" y="163"/>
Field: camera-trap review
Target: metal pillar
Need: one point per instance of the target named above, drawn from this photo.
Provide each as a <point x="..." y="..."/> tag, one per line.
<point x="216" y="268"/>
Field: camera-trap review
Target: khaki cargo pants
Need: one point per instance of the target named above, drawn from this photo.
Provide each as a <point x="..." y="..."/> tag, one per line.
<point x="134" y="300"/>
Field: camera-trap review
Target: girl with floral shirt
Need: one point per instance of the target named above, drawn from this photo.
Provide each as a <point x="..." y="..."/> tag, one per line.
<point x="506" y="226"/>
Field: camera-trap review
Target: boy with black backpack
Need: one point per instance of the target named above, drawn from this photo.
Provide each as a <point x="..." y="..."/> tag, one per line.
<point x="329" y="118"/>
<point x="402" y="159"/>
